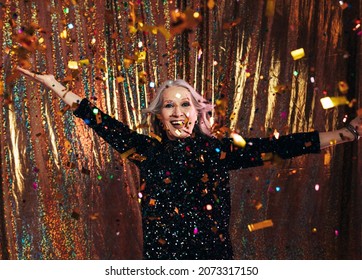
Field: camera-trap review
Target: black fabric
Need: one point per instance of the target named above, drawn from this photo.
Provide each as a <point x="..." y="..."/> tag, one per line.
<point x="184" y="192"/>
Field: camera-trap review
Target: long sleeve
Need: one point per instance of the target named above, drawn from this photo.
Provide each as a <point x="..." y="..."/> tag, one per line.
<point x="286" y="147"/>
<point x="117" y="134"/>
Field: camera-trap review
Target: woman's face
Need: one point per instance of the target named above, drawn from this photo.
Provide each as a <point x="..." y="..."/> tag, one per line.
<point x="178" y="114"/>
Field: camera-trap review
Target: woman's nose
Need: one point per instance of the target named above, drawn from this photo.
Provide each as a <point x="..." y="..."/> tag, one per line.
<point x="177" y="111"/>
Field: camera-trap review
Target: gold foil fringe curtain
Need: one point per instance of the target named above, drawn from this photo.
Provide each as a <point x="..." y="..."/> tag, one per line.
<point x="65" y="194"/>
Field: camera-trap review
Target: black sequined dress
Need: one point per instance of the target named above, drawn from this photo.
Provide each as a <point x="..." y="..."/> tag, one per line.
<point x="185" y="192"/>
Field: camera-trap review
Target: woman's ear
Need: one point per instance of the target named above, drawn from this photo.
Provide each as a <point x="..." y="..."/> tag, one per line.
<point x="158" y="116"/>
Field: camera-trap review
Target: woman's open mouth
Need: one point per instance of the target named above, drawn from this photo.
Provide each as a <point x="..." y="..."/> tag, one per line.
<point x="178" y="124"/>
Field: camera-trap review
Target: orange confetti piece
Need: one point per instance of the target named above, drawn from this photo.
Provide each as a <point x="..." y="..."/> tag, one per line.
<point x="128" y="153"/>
<point x="210" y="4"/>
<point x="260" y="225"/>
<point x="152" y="202"/>
<point x="162" y="241"/>
<point x="120" y="79"/>
<point x="222" y="155"/>
<point x="205" y="178"/>
<point x="327" y="158"/>
<point x="1" y="88"/>
<point x="343" y="87"/>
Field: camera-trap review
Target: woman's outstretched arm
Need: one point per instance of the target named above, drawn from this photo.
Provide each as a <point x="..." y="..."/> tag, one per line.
<point x="69" y="97"/>
<point x="351" y="132"/>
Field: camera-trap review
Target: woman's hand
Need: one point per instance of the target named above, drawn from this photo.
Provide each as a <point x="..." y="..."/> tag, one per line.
<point x="357" y="124"/>
<point x="47" y="80"/>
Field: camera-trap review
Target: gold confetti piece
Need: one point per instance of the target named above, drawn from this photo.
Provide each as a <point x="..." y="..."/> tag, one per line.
<point x="132" y="29"/>
<point x="67" y="145"/>
<point x="164" y="32"/>
<point x="238" y="140"/>
<point x="343" y="87"/>
<point x="141" y="56"/>
<point x="153" y="135"/>
<point x="84" y="62"/>
<point x="257" y="204"/>
<point x="152" y="202"/>
<point x="137" y="157"/>
<point x="330" y="102"/>
<point x="210" y="4"/>
<point x="72" y="64"/>
<point x="327" y="158"/>
<point x="64" y="34"/>
<point x="176" y="210"/>
<point x="298" y="54"/>
<point x="260" y="225"/>
<point x="120" y="79"/>
<point x="94" y="216"/>
<point x="270" y="8"/>
<point x="142" y="76"/>
<point x="201" y="159"/>
<point x="128" y="153"/>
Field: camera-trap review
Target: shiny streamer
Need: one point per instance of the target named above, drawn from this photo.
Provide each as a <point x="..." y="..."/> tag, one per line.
<point x="65" y="194"/>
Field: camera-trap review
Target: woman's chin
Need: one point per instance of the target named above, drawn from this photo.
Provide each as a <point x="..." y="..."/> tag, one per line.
<point x="177" y="134"/>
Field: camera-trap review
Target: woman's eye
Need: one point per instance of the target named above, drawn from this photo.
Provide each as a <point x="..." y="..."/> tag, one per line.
<point x="186" y="104"/>
<point x="168" y="105"/>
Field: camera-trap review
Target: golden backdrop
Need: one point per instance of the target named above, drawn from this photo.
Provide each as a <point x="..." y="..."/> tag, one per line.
<point x="65" y="194"/>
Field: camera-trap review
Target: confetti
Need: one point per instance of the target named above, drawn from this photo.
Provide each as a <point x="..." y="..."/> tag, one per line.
<point x="210" y="4"/>
<point x="72" y="64"/>
<point x="343" y="87"/>
<point x="298" y="54"/>
<point x="238" y="140"/>
<point x="128" y="153"/>
<point x="270" y="8"/>
<point x="330" y="102"/>
<point x="260" y="225"/>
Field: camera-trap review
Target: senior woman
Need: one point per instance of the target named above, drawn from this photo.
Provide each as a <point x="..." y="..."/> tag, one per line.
<point x="185" y="196"/>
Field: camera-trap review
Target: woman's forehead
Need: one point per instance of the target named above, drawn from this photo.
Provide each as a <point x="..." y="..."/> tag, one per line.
<point x="175" y="93"/>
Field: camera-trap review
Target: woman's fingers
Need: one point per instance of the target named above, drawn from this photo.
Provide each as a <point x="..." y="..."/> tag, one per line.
<point x="26" y="72"/>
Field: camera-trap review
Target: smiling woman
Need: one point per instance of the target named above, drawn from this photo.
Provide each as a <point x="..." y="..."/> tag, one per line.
<point x="185" y="195"/>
